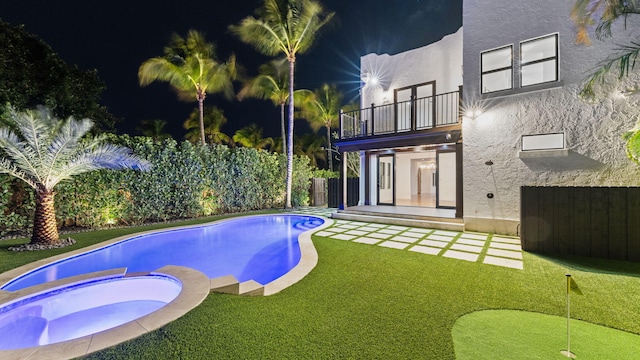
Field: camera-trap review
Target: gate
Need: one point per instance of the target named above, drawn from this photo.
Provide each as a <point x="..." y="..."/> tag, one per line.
<point x="318" y="191"/>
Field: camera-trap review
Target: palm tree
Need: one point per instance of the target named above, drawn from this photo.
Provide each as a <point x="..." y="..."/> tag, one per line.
<point x="321" y="108"/>
<point x="286" y="27"/>
<point x="42" y="150"/>
<point x="270" y="84"/>
<point x="310" y="145"/>
<point x="584" y="15"/>
<point x="191" y="67"/>
<point x="251" y="136"/>
<point x="153" y="129"/>
<point x="213" y="120"/>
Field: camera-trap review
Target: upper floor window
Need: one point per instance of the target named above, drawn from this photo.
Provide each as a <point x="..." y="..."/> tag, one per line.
<point x="539" y="60"/>
<point x="496" y="69"/>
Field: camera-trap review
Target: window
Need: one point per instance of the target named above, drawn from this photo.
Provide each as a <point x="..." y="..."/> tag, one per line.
<point x="543" y="141"/>
<point x="539" y="60"/>
<point x="496" y="69"/>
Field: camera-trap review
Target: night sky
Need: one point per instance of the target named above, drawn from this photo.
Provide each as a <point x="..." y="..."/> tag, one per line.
<point x="116" y="36"/>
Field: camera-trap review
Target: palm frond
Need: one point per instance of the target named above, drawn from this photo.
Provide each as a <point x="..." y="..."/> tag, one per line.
<point x="20" y="154"/>
<point x="602" y="14"/>
<point x="10" y="168"/>
<point x="65" y="144"/>
<point x="42" y="160"/>
<point x="157" y="69"/>
<point x="103" y="156"/>
<point x="261" y="35"/>
<point x="625" y="62"/>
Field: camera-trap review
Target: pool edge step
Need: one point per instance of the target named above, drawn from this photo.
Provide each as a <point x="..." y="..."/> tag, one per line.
<point x="230" y="285"/>
<point x="251" y="288"/>
<point x="227" y="284"/>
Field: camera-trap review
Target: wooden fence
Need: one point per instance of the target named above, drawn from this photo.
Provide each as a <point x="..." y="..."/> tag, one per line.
<point x="598" y="222"/>
<point x="353" y="192"/>
<point x="318" y="193"/>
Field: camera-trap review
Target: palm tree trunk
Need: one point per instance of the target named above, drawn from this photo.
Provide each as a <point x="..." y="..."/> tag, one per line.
<point x="292" y="61"/>
<point x="45" y="227"/>
<point x="201" y="109"/>
<point x="329" y="149"/>
<point x="283" y="131"/>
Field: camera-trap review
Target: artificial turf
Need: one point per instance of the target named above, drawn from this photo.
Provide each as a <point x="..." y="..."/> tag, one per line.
<point x="369" y="302"/>
<point x="498" y="334"/>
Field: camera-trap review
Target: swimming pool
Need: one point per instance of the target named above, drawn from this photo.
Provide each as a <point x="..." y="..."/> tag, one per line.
<point x="259" y="248"/>
<point x="83" y="308"/>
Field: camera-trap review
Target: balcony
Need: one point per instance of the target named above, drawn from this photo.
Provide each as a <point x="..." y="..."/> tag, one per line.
<point x="413" y="115"/>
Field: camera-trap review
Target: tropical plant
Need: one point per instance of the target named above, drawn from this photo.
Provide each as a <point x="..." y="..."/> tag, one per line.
<point x="213" y="119"/>
<point x="42" y="151"/>
<point x="191" y="67"/>
<point x="270" y="84"/>
<point x="250" y="136"/>
<point x="155" y="129"/>
<point x="286" y="27"/>
<point x="321" y="108"/>
<point x="310" y="145"/>
<point x="602" y="14"/>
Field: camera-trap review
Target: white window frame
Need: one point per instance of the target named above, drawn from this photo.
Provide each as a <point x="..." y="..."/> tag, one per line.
<point x="483" y="73"/>
<point x="556" y="58"/>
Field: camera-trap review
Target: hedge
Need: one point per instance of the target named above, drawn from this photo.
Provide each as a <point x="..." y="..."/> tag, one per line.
<point x="185" y="181"/>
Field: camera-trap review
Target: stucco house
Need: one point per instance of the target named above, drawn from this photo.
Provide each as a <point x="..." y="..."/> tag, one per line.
<point x="449" y="133"/>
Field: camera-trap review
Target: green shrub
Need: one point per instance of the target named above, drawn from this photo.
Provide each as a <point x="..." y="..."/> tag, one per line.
<point x="185" y="181"/>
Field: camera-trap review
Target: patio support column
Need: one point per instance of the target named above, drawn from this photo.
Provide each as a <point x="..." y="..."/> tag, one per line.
<point x="343" y="182"/>
<point x="459" y="192"/>
<point x="366" y="174"/>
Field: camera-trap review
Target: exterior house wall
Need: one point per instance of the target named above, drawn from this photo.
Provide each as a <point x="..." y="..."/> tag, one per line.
<point x="440" y="61"/>
<point x="593" y="131"/>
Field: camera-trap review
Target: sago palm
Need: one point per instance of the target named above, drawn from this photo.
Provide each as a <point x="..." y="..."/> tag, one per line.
<point x="286" y="27"/>
<point x="42" y="150"/>
<point x="213" y="120"/>
<point x="321" y="108"/>
<point x="191" y="67"/>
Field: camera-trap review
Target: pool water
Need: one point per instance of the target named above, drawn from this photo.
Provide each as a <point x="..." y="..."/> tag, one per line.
<point x="259" y="248"/>
<point x="82" y="308"/>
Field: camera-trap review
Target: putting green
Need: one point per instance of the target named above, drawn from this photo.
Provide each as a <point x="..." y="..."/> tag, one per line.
<point x="511" y="334"/>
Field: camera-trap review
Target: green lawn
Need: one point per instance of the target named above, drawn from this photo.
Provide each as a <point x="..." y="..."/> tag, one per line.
<point x="368" y="302"/>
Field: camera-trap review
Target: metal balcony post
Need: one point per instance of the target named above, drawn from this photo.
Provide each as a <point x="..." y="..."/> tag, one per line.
<point x="341" y="129"/>
<point x="460" y="103"/>
<point x="414" y="112"/>
<point x="373" y="127"/>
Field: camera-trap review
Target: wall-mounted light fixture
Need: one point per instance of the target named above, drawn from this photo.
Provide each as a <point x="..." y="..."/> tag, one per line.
<point x="472" y="107"/>
<point x="473" y="113"/>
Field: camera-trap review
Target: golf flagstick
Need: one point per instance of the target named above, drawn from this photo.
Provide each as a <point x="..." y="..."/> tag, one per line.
<point x="571" y="286"/>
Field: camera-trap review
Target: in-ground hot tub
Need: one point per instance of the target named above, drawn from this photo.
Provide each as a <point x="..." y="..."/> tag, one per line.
<point x="83" y="308"/>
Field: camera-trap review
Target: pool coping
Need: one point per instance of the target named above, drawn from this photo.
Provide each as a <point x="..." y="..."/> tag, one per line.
<point x="194" y="290"/>
<point x="196" y="287"/>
